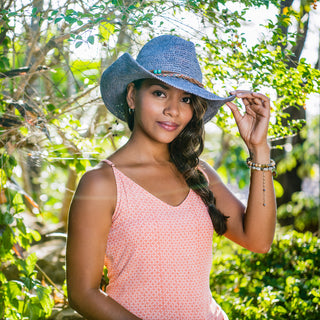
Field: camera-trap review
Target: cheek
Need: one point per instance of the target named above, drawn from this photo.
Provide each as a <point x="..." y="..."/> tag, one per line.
<point x="146" y="110"/>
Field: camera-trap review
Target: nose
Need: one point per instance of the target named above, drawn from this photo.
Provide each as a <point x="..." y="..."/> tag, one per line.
<point x="172" y="108"/>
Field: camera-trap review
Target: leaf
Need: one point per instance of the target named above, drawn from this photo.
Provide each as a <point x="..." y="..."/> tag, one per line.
<point x="106" y="30"/>
<point x="14" y="289"/>
<point x="6" y="218"/>
<point x="70" y="20"/>
<point x="7" y="238"/>
<point x="91" y="39"/>
<point x="51" y="107"/>
<point x="278" y="189"/>
<point x="45" y="299"/>
<point x="27" y="266"/>
<point x="35" y="235"/>
<point x="78" y="44"/>
<point x="80" y="167"/>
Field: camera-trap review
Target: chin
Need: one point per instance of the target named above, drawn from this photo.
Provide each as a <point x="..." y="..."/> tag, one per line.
<point x="168" y="138"/>
<point x="164" y="141"/>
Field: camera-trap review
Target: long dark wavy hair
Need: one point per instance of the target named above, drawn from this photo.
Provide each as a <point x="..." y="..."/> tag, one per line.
<point x="185" y="150"/>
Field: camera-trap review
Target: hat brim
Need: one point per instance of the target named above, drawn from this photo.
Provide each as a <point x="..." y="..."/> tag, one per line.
<point x="115" y="79"/>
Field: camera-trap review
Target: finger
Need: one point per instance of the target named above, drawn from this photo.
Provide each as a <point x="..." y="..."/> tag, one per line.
<point x="259" y="104"/>
<point x="251" y="94"/>
<point x="238" y="92"/>
<point x="262" y="97"/>
<point x="256" y="104"/>
<point x="250" y="111"/>
<point x="257" y="110"/>
<point x="248" y="102"/>
<point x="235" y="111"/>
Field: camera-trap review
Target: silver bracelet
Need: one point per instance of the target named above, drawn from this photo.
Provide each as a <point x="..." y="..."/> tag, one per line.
<point x="263" y="167"/>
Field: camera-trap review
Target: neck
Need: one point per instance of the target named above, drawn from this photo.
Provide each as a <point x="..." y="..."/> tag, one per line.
<point x="147" y="151"/>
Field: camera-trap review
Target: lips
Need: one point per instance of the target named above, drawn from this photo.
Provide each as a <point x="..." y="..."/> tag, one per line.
<point x="168" y="125"/>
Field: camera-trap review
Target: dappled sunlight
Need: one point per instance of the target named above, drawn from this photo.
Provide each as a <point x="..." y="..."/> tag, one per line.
<point x="54" y="127"/>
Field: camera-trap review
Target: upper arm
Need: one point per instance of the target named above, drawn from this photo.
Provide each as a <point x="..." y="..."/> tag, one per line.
<point x="90" y="218"/>
<point x="228" y="204"/>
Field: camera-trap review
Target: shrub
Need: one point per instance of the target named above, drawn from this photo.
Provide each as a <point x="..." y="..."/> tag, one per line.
<point x="282" y="284"/>
<point x="22" y="296"/>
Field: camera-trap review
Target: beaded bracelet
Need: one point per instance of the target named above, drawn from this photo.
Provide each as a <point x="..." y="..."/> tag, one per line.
<point x="263" y="167"/>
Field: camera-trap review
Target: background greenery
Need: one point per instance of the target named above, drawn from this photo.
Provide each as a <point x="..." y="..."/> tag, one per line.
<point x="54" y="127"/>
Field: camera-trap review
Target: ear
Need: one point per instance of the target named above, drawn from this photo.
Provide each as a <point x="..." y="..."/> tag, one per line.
<point x="131" y="95"/>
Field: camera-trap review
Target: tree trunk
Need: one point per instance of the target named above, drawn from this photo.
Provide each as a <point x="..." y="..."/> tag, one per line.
<point x="290" y="180"/>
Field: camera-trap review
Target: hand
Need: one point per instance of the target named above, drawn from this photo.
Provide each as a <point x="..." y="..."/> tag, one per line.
<point x="253" y="124"/>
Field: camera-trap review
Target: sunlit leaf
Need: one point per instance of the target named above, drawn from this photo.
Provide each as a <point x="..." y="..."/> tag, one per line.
<point x="90" y="39"/>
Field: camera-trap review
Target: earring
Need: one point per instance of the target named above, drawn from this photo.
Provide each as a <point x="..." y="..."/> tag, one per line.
<point x="131" y="111"/>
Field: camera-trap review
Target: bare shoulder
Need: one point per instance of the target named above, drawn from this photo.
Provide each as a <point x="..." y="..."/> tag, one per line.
<point x="96" y="189"/>
<point x="99" y="180"/>
<point x="210" y="172"/>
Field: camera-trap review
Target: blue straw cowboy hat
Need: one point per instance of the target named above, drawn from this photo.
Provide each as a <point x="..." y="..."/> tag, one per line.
<point x="167" y="58"/>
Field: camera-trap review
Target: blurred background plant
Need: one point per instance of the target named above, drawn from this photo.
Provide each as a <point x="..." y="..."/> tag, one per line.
<point x="54" y="126"/>
<point x="283" y="284"/>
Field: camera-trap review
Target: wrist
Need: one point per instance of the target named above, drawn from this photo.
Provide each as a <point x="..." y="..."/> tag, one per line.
<point x="260" y="154"/>
<point x="271" y="166"/>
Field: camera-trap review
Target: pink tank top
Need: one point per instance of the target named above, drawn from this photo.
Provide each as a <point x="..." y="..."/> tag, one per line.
<point x="159" y="256"/>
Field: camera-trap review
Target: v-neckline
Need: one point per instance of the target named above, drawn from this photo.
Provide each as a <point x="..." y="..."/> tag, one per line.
<point x="148" y="192"/>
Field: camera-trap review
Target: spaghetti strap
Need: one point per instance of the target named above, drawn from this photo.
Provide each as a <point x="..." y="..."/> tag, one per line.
<point x="203" y="172"/>
<point x="110" y="163"/>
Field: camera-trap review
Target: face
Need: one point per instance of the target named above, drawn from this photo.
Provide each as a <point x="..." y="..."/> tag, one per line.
<point x="161" y="111"/>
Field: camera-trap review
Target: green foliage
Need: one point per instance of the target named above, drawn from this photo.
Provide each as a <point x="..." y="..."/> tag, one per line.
<point x="307" y="153"/>
<point x="53" y="124"/>
<point x="234" y="169"/>
<point x="282" y="284"/>
<point x="304" y="208"/>
<point x="25" y="297"/>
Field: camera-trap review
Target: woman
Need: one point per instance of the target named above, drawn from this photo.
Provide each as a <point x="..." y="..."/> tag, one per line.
<point x="152" y="206"/>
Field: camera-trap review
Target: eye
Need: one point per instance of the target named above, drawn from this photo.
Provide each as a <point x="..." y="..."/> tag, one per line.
<point x="159" y="93"/>
<point x="187" y="100"/>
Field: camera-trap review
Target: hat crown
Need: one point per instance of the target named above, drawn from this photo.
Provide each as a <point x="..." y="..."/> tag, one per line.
<point x="167" y="53"/>
<point x="171" y="53"/>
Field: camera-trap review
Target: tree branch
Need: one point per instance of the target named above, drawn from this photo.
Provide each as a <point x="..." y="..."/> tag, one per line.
<point x="52" y="43"/>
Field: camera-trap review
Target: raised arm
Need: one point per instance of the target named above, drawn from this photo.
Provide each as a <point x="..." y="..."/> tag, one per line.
<point x="252" y="227"/>
<point x="90" y="219"/>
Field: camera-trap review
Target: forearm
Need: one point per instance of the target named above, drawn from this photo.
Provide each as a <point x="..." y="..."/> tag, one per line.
<point x="96" y="305"/>
<point x="260" y="217"/>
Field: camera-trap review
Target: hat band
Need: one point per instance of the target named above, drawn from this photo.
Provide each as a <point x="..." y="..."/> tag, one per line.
<point x="163" y="73"/>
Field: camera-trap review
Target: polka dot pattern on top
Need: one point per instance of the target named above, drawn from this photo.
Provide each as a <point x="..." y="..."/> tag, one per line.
<point x="159" y="256"/>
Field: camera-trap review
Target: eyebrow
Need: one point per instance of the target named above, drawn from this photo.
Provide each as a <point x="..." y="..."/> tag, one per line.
<point x="163" y="86"/>
<point x="155" y="82"/>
